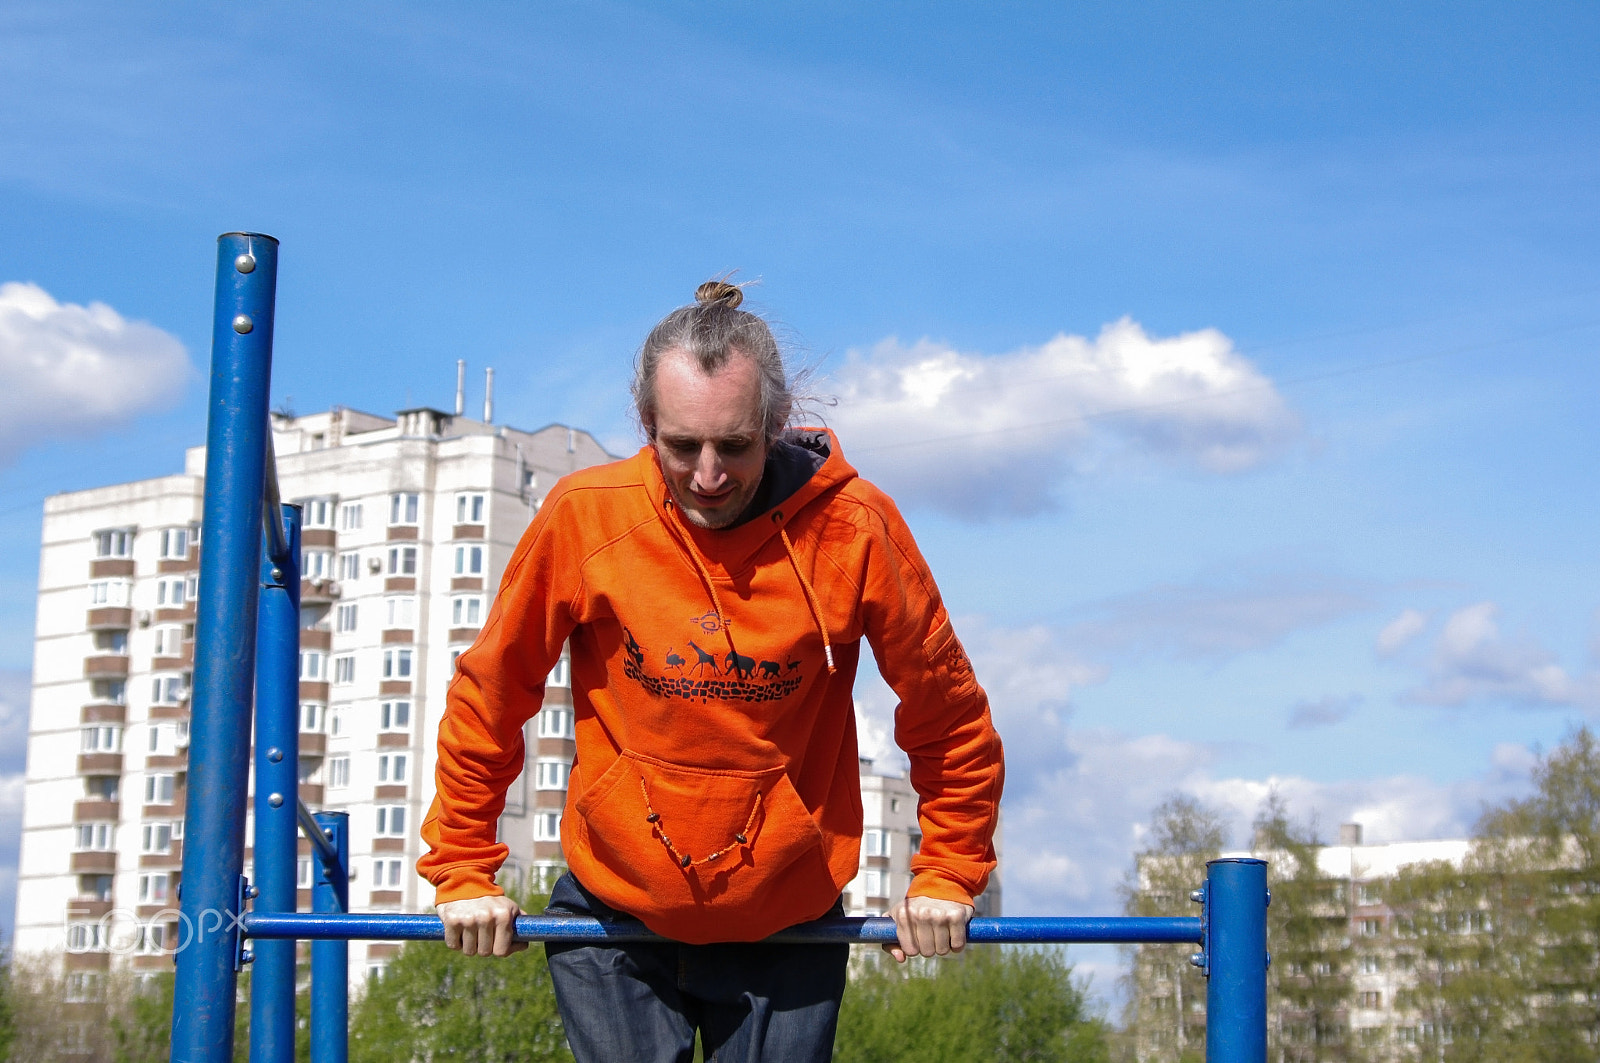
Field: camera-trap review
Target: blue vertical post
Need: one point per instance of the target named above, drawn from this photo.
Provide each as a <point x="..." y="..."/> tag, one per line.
<point x="330" y="960"/>
<point x="1236" y="960"/>
<point x="224" y="666"/>
<point x="277" y="760"/>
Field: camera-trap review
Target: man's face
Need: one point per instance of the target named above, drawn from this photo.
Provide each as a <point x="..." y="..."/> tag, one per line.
<point x="709" y="435"/>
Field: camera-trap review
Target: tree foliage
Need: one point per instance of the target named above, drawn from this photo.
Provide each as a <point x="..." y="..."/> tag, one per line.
<point x="991" y="1003"/>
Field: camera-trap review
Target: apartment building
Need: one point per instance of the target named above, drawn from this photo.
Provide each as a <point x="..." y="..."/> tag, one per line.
<point x="408" y="523"/>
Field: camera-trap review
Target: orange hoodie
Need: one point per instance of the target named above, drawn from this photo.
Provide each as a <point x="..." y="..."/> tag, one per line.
<point x="716" y="793"/>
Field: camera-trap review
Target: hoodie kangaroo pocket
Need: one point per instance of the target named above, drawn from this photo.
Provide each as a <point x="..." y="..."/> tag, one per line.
<point x="673" y="839"/>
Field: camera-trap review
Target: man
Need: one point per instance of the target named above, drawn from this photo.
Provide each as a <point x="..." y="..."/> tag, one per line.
<point x="714" y="590"/>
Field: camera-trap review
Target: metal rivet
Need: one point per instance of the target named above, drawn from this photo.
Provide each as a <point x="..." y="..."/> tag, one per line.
<point x="247" y="957"/>
<point x="1197" y="896"/>
<point x="274" y="754"/>
<point x="277" y="574"/>
<point x="252" y="892"/>
<point x="1198" y="959"/>
<point x="275" y="800"/>
<point x="1269" y="961"/>
<point x="245" y="263"/>
<point x="242" y="324"/>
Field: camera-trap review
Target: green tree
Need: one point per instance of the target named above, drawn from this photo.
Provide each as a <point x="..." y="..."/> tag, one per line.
<point x="991" y="1003"/>
<point x="8" y="1026"/>
<point x="1165" y="1016"/>
<point x="1308" y="930"/>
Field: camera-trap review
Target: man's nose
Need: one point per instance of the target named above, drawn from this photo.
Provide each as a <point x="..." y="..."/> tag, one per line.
<point x="708" y="471"/>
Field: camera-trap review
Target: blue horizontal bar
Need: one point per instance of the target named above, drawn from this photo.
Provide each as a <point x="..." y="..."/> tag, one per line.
<point x="1041" y="930"/>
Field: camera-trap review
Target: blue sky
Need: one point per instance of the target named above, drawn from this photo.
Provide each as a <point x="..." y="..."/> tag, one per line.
<point x="1232" y="362"/>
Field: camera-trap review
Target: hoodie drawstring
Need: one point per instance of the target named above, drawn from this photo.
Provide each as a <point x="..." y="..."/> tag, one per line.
<point x="811" y="599"/>
<point x="705" y="578"/>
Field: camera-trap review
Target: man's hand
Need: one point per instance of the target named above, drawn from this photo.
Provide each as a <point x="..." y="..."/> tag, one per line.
<point x="929" y="927"/>
<point x="481" y="926"/>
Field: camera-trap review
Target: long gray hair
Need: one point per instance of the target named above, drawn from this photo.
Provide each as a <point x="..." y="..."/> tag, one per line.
<point x="712" y="331"/>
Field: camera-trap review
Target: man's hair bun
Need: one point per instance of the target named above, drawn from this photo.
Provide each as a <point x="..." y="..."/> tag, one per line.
<point x="719" y="293"/>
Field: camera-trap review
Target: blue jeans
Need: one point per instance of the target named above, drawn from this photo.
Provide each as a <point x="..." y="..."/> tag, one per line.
<point x="641" y="1002"/>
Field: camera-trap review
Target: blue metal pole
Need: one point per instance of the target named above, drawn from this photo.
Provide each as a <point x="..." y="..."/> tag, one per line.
<point x="383" y="926"/>
<point x="277" y="779"/>
<point x="224" y="666"/>
<point x="330" y="958"/>
<point x="1236" y="960"/>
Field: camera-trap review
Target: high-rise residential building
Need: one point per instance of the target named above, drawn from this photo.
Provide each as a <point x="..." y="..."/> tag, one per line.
<point x="408" y="523"/>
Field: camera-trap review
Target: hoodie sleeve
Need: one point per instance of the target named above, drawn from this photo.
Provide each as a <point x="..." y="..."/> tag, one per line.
<point x="498" y="687"/>
<point x="942" y="722"/>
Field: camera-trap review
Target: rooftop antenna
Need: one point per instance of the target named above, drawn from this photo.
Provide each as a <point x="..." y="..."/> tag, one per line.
<point x="488" y="396"/>
<point x="461" y="386"/>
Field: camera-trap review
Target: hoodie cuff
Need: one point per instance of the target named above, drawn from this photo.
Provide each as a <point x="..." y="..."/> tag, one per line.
<point x="932" y="884"/>
<point x="464" y="884"/>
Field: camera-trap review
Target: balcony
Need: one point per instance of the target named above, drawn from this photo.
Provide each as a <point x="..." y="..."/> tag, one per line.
<point x="93" y="862"/>
<point x="318" y="537"/>
<point x="400" y="583"/>
<point x="389" y="792"/>
<point x="319" y="591"/>
<point x="112" y="665"/>
<point x="467" y="531"/>
<point x="313" y="744"/>
<point x="464" y="634"/>
<point x="466" y="583"/>
<point x="106" y="567"/>
<point x="311" y="793"/>
<point x="312" y="638"/>
<point x="88" y="908"/>
<point x="109" y="616"/>
<point x="99" y="763"/>
<point x="102" y="712"/>
<point x="402" y="532"/>
<point x="394" y="739"/>
<point x="394" y="686"/>
<point x="313" y="691"/>
<point x="93" y="808"/>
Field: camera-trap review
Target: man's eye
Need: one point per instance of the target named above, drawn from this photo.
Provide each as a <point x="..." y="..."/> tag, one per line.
<point x="683" y="448"/>
<point x="738" y="447"/>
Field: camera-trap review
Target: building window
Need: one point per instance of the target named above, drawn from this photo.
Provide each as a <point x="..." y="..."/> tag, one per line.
<point x="394" y="716"/>
<point x="113" y="542"/>
<point x="86" y="937"/>
<point x="402" y="509"/>
<point x="170" y="593"/>
<point x="397" y="664"/>
<point x="391" y="821"/>
<point x="316" y="512"/>
<point x="1369" y="928"/>
<point x="350" y="516"/>
<point x="402" y="560"/>
<point x="156" y="838"/>
<point x="95" y="837"/>
<point x="555" y="723"/>
<point x="469" y="560"/>
<point x="191" y="586"/>
<point x="113" y="641"/>
<point x="466" y="611"/>
<point x="102" y="739"/>
<point x="1371" y="999"/>
<point x="350" y="565"/>
<point x="547" y="826"/>
<point x="83" y="986"/>
<point x="153" y="936"/>
<point x="344" y="618"/>
<point x="392" y="767"/>
<point x="316" y="564"/>
<point x="313" y="666"/>
<point x="312" y="714"/>
<point x="875" y="883"/>
<point x="112" y="592"/>
<point x="876" y="843"/>
<point x="302" y="873"/>
<point x="169" y="640"/>
<point x="160" y="788"/>
<point x="469" y="509"/>
<point x="163" y="740"/>
<point x="560" y="675"/>
<point x="336" y="719"/>
<point x="551" y="775"/>
<point x="174" y="543"/>
<point x="344" y="669"/>
<point x="400" y="612"/>
<point x="101" y="787"/>
<point x="386" y="873"/>
<point x="109" y="691"/>
<point x="338" y="773"/>
<point x="167" y="690"/>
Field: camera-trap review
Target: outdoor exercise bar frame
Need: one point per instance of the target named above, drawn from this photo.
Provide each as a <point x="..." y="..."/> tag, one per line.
<point x="246" y="654"/>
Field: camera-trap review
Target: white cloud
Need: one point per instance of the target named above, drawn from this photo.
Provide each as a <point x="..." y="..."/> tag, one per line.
<point x="1473" y="661"/>
<point x="981" y="435"/>
<point x="1198" y="620"/>
<point x="1398" y="633"/>
<point x="69" y="370"/>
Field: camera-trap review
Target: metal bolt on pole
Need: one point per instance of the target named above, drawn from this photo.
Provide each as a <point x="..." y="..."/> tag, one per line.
<point x="225" y="637"/>
<point x="277" y="758"/>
